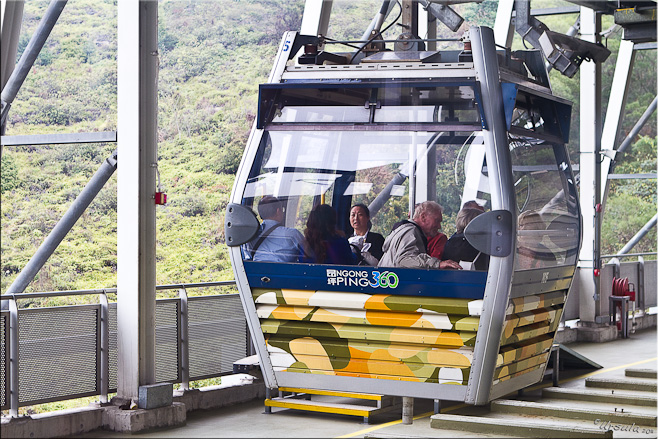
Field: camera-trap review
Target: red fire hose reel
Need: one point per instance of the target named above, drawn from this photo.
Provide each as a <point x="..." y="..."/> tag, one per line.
<point x="621" y="287"/>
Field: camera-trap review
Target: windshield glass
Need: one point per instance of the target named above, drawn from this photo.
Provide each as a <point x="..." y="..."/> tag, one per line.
<point x="342" y="168"/>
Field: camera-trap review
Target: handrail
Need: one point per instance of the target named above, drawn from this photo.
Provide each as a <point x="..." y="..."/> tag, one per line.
<point x="103" y="346"/>
<point x="625" y="255"/>
<point x="110" y="290"/>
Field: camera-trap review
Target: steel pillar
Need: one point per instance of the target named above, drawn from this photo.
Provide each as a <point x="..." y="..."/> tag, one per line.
<point x="590" y="171"/>
<point x="137" y="146"/>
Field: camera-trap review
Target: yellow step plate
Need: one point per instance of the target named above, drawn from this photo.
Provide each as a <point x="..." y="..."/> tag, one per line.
<point x="323" y="407"/>
<point x="368" y="396"/>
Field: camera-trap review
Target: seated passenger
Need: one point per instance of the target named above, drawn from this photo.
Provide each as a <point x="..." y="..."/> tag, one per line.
<point x="472" y="205"/>
<point x="530" y="250"/>
<point x="275" y="243"/>
<point x="458" y="249"/>
<point x="436" y="240"/>
<point x="325" y="244"/>
<point x="369" y="243"/>
<point x="406" y="246"/>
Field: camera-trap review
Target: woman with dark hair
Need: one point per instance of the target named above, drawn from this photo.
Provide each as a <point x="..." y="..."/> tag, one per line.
<point x="369" y="243"/>
<point x="325" y="244"/>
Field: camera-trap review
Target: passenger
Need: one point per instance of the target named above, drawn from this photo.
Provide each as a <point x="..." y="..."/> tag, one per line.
<point x="406" y="246"/>
<point x="531" y="252"/>
<point x="435" y="240"/>
<point x="459" y="249"/>
<point x="369" y="243"/>
<point x="473" y="205"/>
<point x="325" y="244"/>
<point x="275" y="243"/>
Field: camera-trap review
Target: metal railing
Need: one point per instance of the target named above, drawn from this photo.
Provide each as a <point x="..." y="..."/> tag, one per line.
<point x="641" y="273"/>
<point x="65" y="352"/>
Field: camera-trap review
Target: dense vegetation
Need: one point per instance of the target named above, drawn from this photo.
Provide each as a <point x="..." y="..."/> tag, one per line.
<point x="213" y="55"/>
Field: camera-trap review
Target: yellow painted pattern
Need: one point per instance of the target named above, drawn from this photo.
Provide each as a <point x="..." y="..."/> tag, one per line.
<point x="423" y="339"/>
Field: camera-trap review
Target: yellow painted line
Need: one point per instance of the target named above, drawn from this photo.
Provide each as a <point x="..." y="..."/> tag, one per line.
<point x="458" y="406"/>
<point x="388" y="424"/>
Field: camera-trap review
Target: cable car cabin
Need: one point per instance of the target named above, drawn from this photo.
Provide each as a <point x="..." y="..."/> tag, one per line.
<point x="479" y="125"/>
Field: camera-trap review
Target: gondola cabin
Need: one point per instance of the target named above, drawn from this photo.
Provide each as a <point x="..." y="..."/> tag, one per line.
<point x="391" y="131"/>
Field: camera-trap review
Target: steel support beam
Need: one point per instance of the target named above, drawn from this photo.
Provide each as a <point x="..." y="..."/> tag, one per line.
<point x="12" y="18"/>
<point x="616" y="104"/>
<point x="15" y="81"/>
<point x="590" y="171"/>
<point x="64" y="225"/>
<point x="60" y="138"/>
<point x="638" y="126"/>
<point x="377" y="21"/>
<point x="137" y="123"/>
<point x="639" y="235"/>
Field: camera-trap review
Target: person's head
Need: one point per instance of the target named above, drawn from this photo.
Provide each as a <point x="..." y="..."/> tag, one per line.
<point x="322" y="220"/>
<point x="428" y="215"/>
<point x="472" y="205"/>
<point x="465" y="216"/>
<point x="360" y="218"/>
<point x="320" y="226"/>
<point x="531" y="220"/>
<point x="270" y="207"/>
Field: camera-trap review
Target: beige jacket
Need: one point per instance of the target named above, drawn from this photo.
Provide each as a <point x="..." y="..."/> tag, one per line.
<point x="404" y="248"/>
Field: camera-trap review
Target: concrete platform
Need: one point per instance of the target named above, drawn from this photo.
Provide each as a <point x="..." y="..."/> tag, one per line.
<point x="249" y="420"/>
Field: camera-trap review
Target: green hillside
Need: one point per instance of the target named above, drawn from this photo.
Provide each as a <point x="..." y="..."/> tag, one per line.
<point x="213" y="55"/>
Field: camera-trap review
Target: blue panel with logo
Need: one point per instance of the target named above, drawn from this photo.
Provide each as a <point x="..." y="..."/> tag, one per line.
<point x="461" y="284"/>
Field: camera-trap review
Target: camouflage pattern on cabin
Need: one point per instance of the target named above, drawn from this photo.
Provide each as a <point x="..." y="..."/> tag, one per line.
<point x="528" y="333"/>
<point x="529" y="303"/>
<point x="518" y="374"/>
<point x="422" y="339"/>
<point x="522" y="365"/>
<point x="513" y="353"/>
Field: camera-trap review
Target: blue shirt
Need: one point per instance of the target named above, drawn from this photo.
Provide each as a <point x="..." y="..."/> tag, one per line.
<point x="283" y="244"/>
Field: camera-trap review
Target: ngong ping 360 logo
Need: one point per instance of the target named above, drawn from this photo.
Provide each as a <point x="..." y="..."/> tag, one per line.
<point x="359" y="278"/>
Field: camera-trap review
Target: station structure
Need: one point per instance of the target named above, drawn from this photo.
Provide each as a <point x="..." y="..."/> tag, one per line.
<point x="136" y="380"/>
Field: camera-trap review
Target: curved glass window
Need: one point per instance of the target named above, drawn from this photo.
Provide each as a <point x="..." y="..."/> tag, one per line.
<point x="548" y="221"/>
<point x="341" y="168"/>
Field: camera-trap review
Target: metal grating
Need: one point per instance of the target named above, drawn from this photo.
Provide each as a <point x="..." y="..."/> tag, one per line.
<point x="112" y="350"/>
<point x="166" y="341"/>
<point x="59" y="348"/>
<point x="57" y="353"/>
<point x="217" y="333"/>
<point x="4" y="360"/>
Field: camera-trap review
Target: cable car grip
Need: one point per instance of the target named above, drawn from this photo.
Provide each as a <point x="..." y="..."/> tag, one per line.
<point x="240" y="225"/>
<point x="491" y="233"/>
